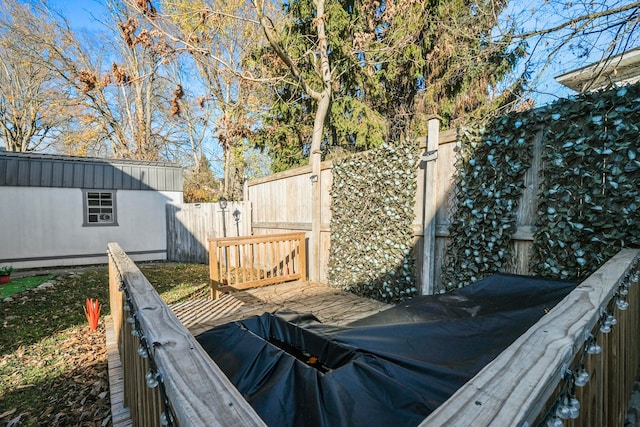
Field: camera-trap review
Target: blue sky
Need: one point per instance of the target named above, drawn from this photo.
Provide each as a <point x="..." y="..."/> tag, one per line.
<point x="79" y="13"/>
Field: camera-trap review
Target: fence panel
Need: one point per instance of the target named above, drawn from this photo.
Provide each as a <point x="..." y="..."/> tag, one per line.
<point x="191" y="225"/>
<point x="282" y="204"/>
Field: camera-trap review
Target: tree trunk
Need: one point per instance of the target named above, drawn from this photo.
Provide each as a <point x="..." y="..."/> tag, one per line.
<point x="324" y="101"/>
<point x="323" y="98"/>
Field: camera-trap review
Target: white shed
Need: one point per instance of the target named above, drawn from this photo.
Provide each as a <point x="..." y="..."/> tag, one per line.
<point x="62" y="210"/>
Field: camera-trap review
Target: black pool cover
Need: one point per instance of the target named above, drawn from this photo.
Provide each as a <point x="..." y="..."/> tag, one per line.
<point x="390" y="369"/>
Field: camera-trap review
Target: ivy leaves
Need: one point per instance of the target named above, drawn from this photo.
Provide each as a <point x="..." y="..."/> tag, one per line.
<point x="491" y="166"/>
<point x="590" y="198"/>
<point x="588" y="202"/>
<point x="372" y="211"/>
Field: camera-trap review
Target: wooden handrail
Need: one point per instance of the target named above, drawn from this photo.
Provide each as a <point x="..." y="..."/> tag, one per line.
<point x="237" y="263"/>
<point x="192" y="387"/>
<point x="516" y="388"/>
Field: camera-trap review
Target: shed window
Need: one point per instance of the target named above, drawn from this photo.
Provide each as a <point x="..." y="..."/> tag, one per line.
<point x="99" y="207"/>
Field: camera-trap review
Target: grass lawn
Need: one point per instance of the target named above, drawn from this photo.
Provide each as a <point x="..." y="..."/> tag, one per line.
<point x="22" y="284"/>
<point x="53" y="368"/>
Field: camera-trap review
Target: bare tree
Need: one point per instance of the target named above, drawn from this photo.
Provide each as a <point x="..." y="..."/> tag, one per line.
<point x="121" y="94"/>
<point x="564" y="35"/>
<point x="131" y="97"/>
<point x="33" y="105"/>
<point x="219" y="37"/>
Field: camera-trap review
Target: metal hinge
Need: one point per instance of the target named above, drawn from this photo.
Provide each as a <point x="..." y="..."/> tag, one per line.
<point x="429" y="156"/>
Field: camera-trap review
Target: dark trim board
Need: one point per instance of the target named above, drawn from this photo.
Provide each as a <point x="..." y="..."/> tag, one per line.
<point x="78" y="256"/>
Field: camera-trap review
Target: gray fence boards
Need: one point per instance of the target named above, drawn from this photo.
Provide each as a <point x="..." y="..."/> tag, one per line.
<point x="282" y="204"/>
<point x="191" y="225"/>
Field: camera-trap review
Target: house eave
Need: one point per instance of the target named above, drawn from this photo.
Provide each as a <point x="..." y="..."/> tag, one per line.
<point x="620" y="70"/>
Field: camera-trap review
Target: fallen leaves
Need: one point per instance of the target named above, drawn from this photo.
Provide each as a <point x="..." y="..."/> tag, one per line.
<point x="53" y="372"/>
<point x="53" y="368"/>
<point x="8" y="413"/>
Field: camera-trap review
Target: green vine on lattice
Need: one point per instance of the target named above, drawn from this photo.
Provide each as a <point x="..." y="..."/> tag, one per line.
<point x="372" y="205"/>
<point x="491" y="164"/>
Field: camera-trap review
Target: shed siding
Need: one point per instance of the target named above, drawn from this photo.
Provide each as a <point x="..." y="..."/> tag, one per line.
<point x="48" y="231"/>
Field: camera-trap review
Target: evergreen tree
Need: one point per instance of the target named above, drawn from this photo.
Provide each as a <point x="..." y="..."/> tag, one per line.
<point x="393" y="65"/>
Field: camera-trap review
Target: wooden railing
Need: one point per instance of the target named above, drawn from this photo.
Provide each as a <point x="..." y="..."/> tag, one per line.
<point x="538" y="377"/>
<point x="247" y="262"/>
<point x="169" y="378"/>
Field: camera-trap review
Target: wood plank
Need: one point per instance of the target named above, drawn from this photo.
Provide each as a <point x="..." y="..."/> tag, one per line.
<point x="329" y="305"/>
<point x="514" y="387"/>
<point x="119" y="413"/>
<point x="190" y="225"/>
<point x="198" y="390"/>
<point x="290" y="291"/>
<point x="302" y="226"/>
<point x="427" y="275"/>
<point x="257" y="283"/>
<point x="447" y="156"/>
<point x="527" y="208"/>
<point x="203" y="310"/>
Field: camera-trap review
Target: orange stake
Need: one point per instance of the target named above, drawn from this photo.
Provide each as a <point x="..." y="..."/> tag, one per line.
<point x="92" y="311"/>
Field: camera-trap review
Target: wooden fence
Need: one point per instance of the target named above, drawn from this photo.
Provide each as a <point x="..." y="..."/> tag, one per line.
<point x="282" y="203"/>
<point x="169" y="378"/>
<point x="528" y="383"/>
<point x="191" y="225"/>
<point x="443" y="185"/>
<point x="248" y="262"/>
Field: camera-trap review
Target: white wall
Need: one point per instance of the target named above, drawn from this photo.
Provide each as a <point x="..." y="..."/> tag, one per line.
<point x="43" y="227"/>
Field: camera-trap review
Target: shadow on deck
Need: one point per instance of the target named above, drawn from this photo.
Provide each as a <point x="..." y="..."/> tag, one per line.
<point x="329" y="305"/>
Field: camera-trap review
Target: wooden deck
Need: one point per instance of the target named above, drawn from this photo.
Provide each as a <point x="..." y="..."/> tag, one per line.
<point x="120" y="416"/>
<point x="329" y="305"/>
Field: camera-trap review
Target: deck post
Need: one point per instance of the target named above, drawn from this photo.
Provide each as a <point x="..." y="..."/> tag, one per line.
<point x="316" y="218"/>
<point x="214" y="269"/>
<point x="302" y="259"/>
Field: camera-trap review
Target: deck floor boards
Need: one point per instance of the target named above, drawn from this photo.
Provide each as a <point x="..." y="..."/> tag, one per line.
<point x="329" y="305"/>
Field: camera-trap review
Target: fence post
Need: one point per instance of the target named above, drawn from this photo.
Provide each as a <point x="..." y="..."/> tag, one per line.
<point x="316" y="218"/>
<point x="430" y="208"/>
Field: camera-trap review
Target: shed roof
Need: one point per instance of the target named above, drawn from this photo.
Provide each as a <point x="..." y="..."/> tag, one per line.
<point x="52" y="170"/>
